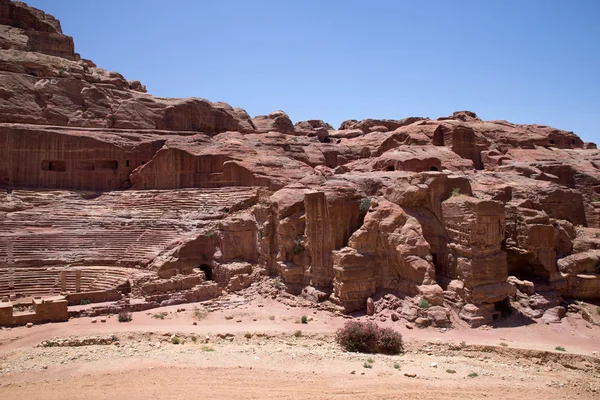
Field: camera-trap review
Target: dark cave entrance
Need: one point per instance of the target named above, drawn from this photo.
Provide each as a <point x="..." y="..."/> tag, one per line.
<point x="527" y="271"/>
<point x="434" y="168"/>
<point x="502" y="308"/>
<point x="207" y="269"/>
<point x="390" y="168"/>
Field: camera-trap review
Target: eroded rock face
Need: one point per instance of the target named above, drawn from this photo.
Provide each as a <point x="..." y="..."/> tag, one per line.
<point x="412" y="218"/>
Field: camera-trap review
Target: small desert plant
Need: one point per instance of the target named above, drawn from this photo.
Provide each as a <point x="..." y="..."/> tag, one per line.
<point x="304" y="319"/>
<point x="199" y="313"/>
<point x="114" y="338"/>
<point x="298" y="246"/>
<point x="210" y="234"/>
<point x="455" y="192"/>
<point x="370" y="360"/>
<point x="450" y="371"/>
<point x="367" y="337"/>
<point x="560" y="348"/>
<point x="473" y="375"/>
<point x="84" y="302"/>
<point x="272" y="317"/>
<point x="298" y="333"/>
<point x="125" y="316"/>
<point x="424" y="304"/>
<point x="367" y="365"/>
<point x="248" y="335"/>
<point x="503" y="344"/>
<point x="396" y="366"/>
<point x="194" y="338"/>
<point x="207" y="349"/>
<point x="277" y="283"/>
<point x="175" y="340"/>
<point x="160" y="315"/>
<point x="364" y="205"/>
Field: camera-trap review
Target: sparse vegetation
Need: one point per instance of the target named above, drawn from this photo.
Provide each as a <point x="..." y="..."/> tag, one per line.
<point x="473" y="375"/>
<point x="367" y="337"/>
<point x="298" y="333"/>
<point x="160" y="315"/>
<point x="199" y="313"/>
<point x="455" y="192"/>
<point x="175" y="340"/>
<point x="114" y="338"/>
<point x="364" y="205"/>
<point x="450" y="371"/>
<point x="194" y="338"/>
<point x="248" y="335"/>
<point x="560" y="348"/>
<point x="207" y="349"/>
<point x="272" y="317"/>
<point x="396" y="366"/>
<point x="210" y="234"/>
<point x="84" y="302"/>
<point x="298" y="247"/>
<point x="277" y="284"/>
<point x="424" y="304"/>
<point x="367" y="365"/>
<point x="304" y="319"/>
<point x="370" y="360"/>
<point x="503" y="344"/>
<point x="125" y="316"/>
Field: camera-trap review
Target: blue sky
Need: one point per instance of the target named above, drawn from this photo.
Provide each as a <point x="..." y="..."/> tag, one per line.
<point x="526" y="61"/>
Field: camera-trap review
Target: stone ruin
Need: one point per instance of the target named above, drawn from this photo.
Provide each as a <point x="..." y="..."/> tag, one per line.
<point x="110" y="194"/>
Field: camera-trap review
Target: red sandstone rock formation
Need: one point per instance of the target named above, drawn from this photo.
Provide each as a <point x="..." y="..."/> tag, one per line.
<point x="176" y="200"/>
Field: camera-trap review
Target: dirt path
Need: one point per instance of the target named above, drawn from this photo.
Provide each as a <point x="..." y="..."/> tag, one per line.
<point x="260" y="350"/>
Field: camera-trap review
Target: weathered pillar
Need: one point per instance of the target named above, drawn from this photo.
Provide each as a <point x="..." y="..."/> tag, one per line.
<point x="78" y="281"/>
<point x="63" y="281"/>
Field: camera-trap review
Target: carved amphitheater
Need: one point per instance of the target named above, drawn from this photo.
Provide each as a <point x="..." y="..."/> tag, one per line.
<point x="113" y="197"/>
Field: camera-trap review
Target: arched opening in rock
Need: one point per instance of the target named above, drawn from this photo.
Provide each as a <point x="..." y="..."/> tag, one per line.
<point x="390" y="168"/>
<point x="503" y="308"/>
<point x="525" y="270"/>
<point x="434" y="168"/>
<point x="551" y="141"/>
<point x="438" y="136"/>
<point x="207" y="269"/>
<point x="572" y="141"/>
<point x="326" y="139"/>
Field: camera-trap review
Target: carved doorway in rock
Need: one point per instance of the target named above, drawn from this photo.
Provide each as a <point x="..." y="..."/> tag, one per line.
<point x="207" y="269"/>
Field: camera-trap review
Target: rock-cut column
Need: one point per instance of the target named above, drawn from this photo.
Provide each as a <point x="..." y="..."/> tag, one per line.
<point x="319" y="238"/>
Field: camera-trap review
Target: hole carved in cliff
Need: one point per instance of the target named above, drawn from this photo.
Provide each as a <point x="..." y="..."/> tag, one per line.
<point x="207" y="269"/>
<point x="54" y="165"/>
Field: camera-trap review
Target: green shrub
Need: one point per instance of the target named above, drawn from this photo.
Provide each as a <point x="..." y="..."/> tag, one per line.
<point x="473" y="375"/>
<point x="298" y="246"/>
<point x="455" y="192"/>
<point x="298" y="333"/>
<point x="560" y="348"/>
<point x="210" y="234"/>
<point x="277" y="283"/>
<point x="367" y="337"/>
<point x="364" y="205"/>
<point x="450" y="371"/>
<point x="114" y="338"/>
<point x="160" y="315"/>
<point x="175" y="340"/>
<point x="304" y="319"/>
<point x="424" y="304"/>
<point x="503" y="344"/>
<point x="396" y="366"/>
<point x="125" y="316"/>
<point x="84" y="302"/>
<point x="367" y="365"/>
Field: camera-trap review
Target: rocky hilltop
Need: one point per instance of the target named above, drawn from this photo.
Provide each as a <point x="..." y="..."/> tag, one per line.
<point x="109" y="191"/>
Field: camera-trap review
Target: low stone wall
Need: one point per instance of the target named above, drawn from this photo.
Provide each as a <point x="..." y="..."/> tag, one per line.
<point x="52" y="309"/>
<point x="99" y="296"/>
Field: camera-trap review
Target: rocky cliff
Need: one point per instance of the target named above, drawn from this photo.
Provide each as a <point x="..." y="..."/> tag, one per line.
<point x="483" y="218"/>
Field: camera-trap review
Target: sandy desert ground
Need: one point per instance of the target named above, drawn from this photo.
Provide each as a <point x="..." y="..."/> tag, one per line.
<point x="256" y="349"/>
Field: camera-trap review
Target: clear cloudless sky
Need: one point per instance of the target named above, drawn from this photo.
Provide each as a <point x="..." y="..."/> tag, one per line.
<point x="526" y="61"/>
